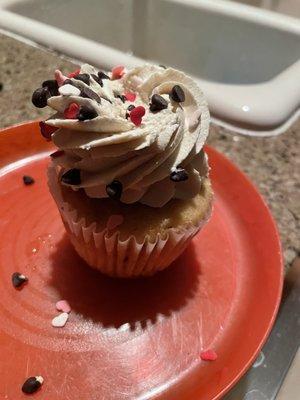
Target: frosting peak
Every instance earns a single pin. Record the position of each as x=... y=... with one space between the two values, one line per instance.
x=144 y=130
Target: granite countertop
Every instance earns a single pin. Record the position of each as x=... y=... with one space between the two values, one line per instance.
x=273 y=164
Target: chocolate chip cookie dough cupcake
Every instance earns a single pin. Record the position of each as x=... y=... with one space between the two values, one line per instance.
x=130 y=177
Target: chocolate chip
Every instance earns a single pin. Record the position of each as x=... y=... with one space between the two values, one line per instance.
x=162 y=66
x=52 y=86
x=90 y=94
x=83 y=77
x=32 y=384
x=18 y=279
x=114 y=190
x=177 y=94
x=28 y=180
x=158 y=103
x=40 y=97
x=97 y=79
x=179 y=175
x=121 y=97
x=71 y=177
x=102 y=75
x=86 y=112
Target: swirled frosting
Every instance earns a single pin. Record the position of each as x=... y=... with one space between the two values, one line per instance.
x=142 y=157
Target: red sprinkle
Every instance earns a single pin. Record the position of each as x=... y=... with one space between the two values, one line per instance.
x=130 y=96
x=47 y=130
x=71 y=112
x=57 y=154
x=137 y=114
x=74 y=73
x=117 y=72
x=208 y=355
x=60 y=78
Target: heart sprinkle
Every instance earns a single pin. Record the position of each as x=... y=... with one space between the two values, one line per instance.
x=130 y=96
x=208 y=355
x=32 y=384
x=71 y=112
x=117 y=72
x=18 y=279
x=64 y=306
x=46 y=130
x=74 y=73
x=60 y=78
x=60 y=320
x=137 y=114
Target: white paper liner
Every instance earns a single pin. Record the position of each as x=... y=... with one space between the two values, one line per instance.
x=113 y=256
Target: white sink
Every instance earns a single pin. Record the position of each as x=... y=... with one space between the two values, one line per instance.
x=246 y=59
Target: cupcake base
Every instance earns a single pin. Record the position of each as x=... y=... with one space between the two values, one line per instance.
x=119 y=239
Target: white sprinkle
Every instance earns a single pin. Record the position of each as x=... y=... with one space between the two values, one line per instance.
x=60 y=320
x=69 y=90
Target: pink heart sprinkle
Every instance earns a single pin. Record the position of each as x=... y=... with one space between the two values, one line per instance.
x=208 y=355
x=60 y=78
x=63 y=305
x=74 y=73
x=117 y=72
x=137 y=114
x=114 y=221
x=71 y=112
x=130 y=96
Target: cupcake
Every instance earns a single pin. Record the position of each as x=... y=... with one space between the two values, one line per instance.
x=130 y=176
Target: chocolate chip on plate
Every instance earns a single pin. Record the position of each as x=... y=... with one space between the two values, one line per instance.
x=40 y=96
x=102 y=75
x=114 y=190
x=83 y=77
x=18 y=279
x=158 y=103
x=177 y=94
x=71 y=177
x=86 y=112
x=52 y=86
x=28 y=180
x=32 y=384
x=179 y=175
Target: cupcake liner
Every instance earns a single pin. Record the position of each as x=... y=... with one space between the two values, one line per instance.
x=113 y=256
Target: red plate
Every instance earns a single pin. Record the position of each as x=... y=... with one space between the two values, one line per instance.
x=138 y=339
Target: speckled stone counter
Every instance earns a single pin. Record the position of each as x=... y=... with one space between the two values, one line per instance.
x=273 y=164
